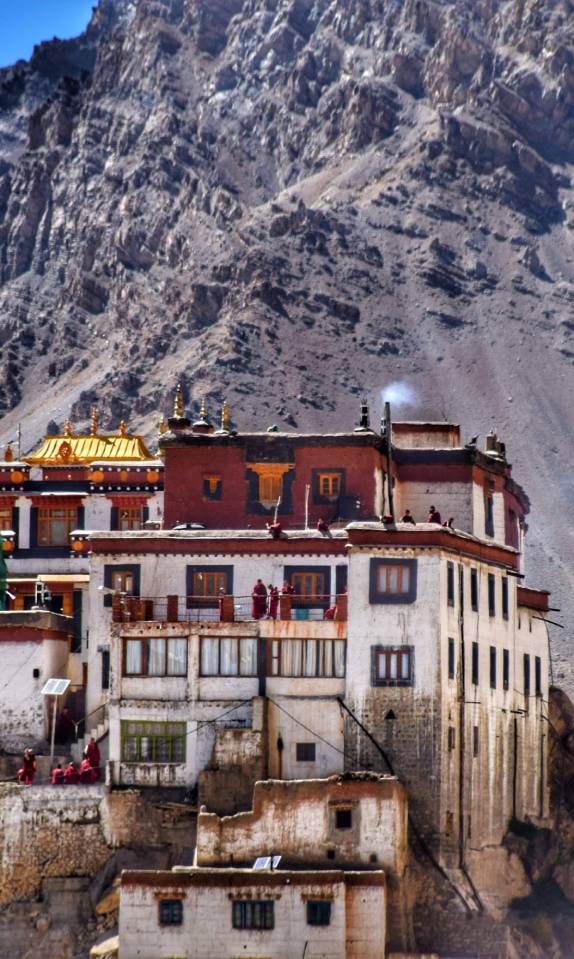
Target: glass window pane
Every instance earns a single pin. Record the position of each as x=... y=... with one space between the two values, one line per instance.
x=229 y=663
x=339 y=658
x=248 y=657
x=156 y=657
x=162 y=749
x=133 y=656
x=405 y=665
x=393 y=666
x=326 y=666
x=145 y=749
x=130 y=750
x=291 y=657
x=177 y=657
x=393 y=579
x=310 y=658
x=406 y=579
x=209 y=656
x=178 y=749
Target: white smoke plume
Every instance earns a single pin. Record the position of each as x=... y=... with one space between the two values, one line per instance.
x=398 y=394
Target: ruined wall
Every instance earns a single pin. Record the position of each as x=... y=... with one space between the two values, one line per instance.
x=24 y=719
x=298 y=819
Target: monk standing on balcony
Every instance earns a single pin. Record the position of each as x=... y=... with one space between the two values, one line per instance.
x=273 y=601
x=259 y=597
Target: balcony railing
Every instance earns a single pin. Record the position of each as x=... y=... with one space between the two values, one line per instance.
x=226 y=609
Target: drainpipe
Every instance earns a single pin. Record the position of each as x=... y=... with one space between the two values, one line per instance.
x=388 y=427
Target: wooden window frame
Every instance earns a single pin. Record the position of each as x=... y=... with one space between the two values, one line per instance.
x=275 y=655
x=135 y=518
x=257 y=915
x=237 y=640
x=170 y=912
x=120 y=582
x=193 y=600
x=212 y=486
x=152 y=734
x=328 y=484
x=377 y=597
x=7 y=511
x=46 y=515
x=145 y=657
x=301 y=751
x=300 y=601
x=401 y=652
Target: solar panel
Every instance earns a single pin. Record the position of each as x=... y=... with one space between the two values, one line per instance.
x=55 y=687
x=267 y=862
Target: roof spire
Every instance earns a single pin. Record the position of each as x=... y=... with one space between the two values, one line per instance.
x=364 y=421
x=224 y=428
x=202 y=424
x=68 y=428
x=94 y=418
x=162 y=426
x=122 y=428
x=178 y=409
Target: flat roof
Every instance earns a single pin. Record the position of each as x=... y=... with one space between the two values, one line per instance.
x=229 y=877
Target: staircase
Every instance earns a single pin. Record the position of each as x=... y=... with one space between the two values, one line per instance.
x=100 y=734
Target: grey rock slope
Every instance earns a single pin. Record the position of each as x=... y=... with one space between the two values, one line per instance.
x=290 y=202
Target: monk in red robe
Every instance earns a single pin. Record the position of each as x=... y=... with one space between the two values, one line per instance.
x=88 y=775
x=92 y=754
x=57 y=776
x=259 y=598
x=71 y=775
x=273 y=601
x=28 y=771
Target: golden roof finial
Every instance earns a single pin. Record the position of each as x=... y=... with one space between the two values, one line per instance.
x=94 y=417
x=203 y=409
x=122 y=428
x=225 y=417
x=68 y=428
x=178 y=409
x=162 y=426
x=8 y=454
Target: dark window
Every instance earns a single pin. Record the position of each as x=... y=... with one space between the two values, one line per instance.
x=328 y=485
x=526 y=674
x=538 y=676
x=312 y=585
x=505 y=669
x=105 y=669
x=475 y=741
x=343 y=818
x=493 y=667
x=212 y=486
x=450 y=583
x=55 y=524
x=393 y=581
x=475 y=664
x=474 y=589
x=170 y=912
x=505 y=597
x=451 y=737
x=451 y=659
x=305 y=752
x=318 y=912
x=253 y=914
x=489 y=508
x=392 y=665
x=122 y=579
x=449 y=824
x=491 y=594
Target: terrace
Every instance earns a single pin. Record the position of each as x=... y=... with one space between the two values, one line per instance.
x=226 y=609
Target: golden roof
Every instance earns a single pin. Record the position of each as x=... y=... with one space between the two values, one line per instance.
x=68 y=449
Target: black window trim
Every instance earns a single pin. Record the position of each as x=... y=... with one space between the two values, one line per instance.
x=375 y=653
x=376 y=598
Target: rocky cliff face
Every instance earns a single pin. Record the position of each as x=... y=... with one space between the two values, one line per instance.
x=291 y=202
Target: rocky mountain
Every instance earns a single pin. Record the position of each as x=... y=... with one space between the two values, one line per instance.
x=289 y=203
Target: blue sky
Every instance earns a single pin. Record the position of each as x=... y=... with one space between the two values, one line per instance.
x=26 y=22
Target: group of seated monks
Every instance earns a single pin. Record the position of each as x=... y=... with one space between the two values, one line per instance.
x=87 y=773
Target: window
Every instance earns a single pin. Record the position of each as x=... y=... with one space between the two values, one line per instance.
x=130 y=517
x=254 y=914
x=6 y=520
x=505 y=597
x=55 y=525
x=526 y=674
x=308 y=584
x=305 y=752
x=475 y=664
x=491 y=594
x=474 y=589
x=392 y=665
x=170 y=912
x=212 y=486
x=449 y=823
x=105 y=669
x=205 y=585
x=392 y=581
x=155 y=657
x=450 y=583
x=451 y=659
x=306 y=657
x=343 y=819
x=328 y=485
x=228 y=656
x=318 y=912
x=493 y=667
x=150 y=742
x=475 y=741
x=122 y=581
x=538 y=676
x=489 y=508
x=451 y=738
x=505 y=669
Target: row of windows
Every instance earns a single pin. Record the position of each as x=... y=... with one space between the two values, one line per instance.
x=493 y=667
x=51 y=525
x=474 y=590
x=326 y=484
x=232 y=656
x=256 y=914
